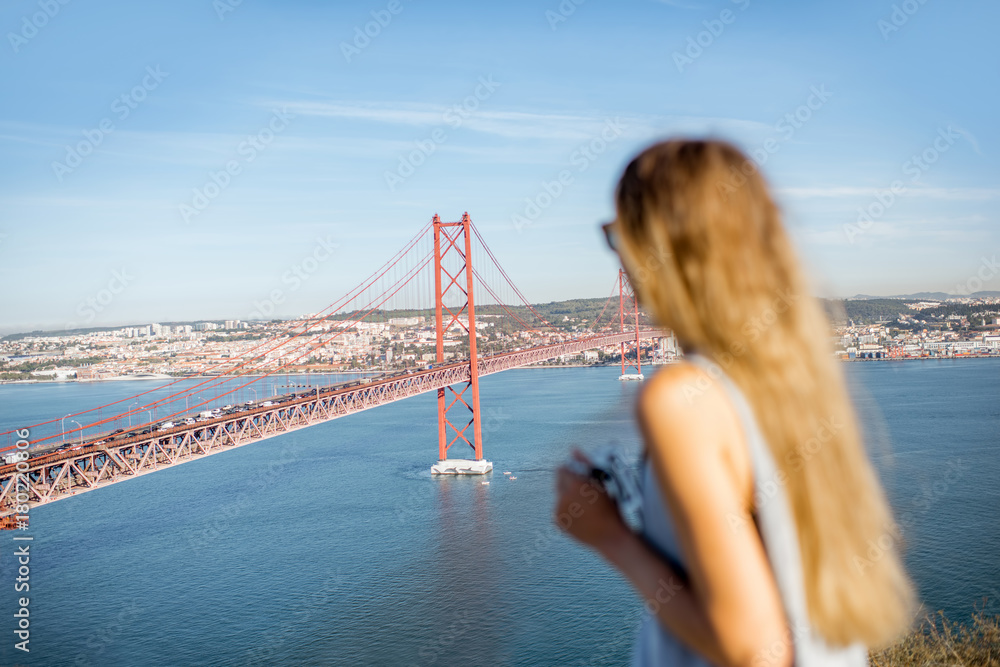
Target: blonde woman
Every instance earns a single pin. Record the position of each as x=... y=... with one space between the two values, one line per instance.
x=767 y=539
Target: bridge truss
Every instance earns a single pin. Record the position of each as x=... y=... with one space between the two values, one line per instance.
x=105 y=459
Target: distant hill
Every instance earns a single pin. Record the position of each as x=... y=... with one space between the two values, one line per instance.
x=869 y=310
x=86 y=330
x=861 y=308
x=934 y=296
x=878 y=309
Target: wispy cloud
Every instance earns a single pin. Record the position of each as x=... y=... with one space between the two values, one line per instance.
x=681 y=5
x=509 y=124
x=967 y=231
x=514 y=124
x=969 y=137
x=956 y=194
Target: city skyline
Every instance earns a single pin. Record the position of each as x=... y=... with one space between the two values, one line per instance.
x=225 y=324
x=188 y=158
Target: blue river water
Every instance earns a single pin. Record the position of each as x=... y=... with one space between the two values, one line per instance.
x=335 y=545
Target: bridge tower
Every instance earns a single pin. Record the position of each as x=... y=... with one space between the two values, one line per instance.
x=627 y=301
x=453 y=242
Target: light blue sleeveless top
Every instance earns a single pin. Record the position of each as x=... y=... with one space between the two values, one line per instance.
x=655 y=645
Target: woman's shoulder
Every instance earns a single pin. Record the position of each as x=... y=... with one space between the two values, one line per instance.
x=690 y=409
x=684 y=389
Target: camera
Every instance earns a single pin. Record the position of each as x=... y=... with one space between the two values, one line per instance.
x=619 y=478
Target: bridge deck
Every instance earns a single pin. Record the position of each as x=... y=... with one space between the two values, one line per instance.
x=61 y=474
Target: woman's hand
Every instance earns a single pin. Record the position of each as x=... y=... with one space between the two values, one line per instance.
x=584 y=510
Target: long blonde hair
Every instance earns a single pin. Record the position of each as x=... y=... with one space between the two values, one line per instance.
x=704 y=245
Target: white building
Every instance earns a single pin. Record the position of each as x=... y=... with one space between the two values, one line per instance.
x=406 y=321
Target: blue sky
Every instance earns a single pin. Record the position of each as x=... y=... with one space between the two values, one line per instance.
x=539 y=81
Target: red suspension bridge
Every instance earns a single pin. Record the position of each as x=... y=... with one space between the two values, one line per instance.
x=482 y=325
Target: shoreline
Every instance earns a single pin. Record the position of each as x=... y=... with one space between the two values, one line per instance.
x=122 y=378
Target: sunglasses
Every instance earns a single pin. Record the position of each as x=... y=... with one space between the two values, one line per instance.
x=611 y=235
